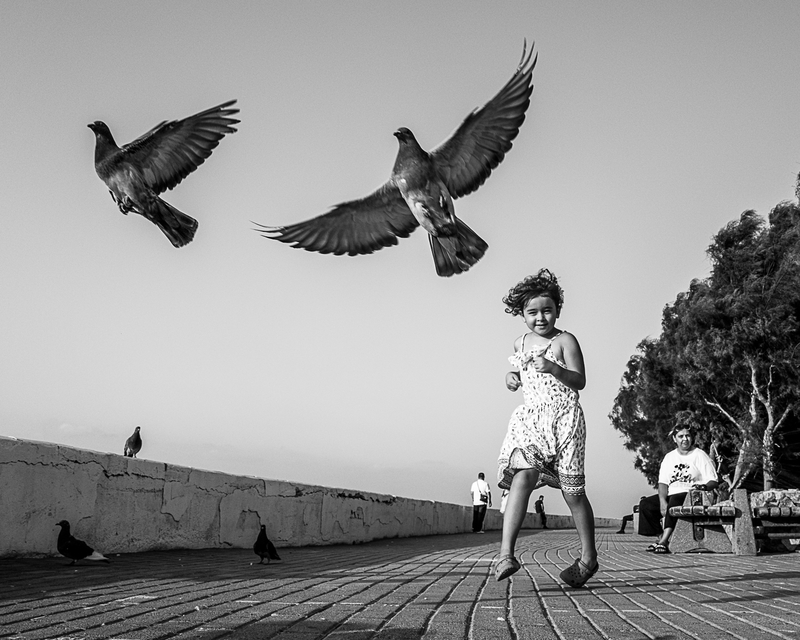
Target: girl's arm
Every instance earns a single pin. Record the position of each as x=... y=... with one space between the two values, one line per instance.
x=574 y=375
x=513 y=380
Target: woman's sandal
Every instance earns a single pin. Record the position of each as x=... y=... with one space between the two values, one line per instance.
x=577 y=574
x=661 y=548
x=506 y=566
x=651 y=547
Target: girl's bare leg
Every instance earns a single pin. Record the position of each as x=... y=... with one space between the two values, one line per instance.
x=522 y=486
x=583 y=516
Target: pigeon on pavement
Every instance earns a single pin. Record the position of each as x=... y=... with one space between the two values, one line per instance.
x=422 y=186
x=75 y=549
x=263 y=548
x=137 y=172
x=133 y=445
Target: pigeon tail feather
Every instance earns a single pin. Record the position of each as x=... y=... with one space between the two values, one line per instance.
x=97 y=556
x=177 y=226
x=457 y=253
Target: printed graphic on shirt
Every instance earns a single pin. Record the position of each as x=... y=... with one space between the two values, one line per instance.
x=681 y=473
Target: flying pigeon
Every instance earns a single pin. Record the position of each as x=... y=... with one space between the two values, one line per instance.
x=73 y=548
x=264 y=548
x=137 y=172
x=133 y=445
x=422 y=187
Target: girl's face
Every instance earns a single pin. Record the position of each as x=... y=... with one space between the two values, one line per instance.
x=540 y=315
x=683 y=439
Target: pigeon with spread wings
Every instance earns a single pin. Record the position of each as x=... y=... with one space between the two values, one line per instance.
x=137 y=172
x=422 y=187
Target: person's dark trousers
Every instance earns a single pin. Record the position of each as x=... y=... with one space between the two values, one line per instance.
x=478 y=514
x=650 y=516
x=675 y=500
x=625 y=521
x=544 y=520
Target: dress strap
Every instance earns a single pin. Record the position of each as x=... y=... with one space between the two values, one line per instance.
x=522 y=343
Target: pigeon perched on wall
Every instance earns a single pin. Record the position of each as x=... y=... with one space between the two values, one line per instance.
x=75 y=549
x=133 y=445
x=422 y=187
x=137 y=172
x=263 y=548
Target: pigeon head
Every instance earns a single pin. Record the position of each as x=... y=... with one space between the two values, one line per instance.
x=101 y=130
x=409 y=153
x=63 y=523
x=404 y=135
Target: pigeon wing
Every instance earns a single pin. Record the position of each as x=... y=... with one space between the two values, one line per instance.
x=76 y=549
x=171 y=150
x=260 y=546
x=467 y=157
x=354 y=228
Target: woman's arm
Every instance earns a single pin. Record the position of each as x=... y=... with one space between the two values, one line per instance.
x=708 y=472
x=707 y=486
x=574 y=375
x=662 y=497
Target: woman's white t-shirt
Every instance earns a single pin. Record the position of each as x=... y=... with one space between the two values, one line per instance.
x=679 y=472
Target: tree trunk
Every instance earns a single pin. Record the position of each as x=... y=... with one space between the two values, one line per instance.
x=745 y=463
x=769 y=460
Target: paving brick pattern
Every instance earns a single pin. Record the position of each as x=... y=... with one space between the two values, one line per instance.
x=438 y=587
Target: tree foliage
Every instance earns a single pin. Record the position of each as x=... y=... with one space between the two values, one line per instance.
x=727 y=357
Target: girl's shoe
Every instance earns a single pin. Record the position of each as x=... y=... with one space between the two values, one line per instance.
x=506 y=566
x=651 y=547
x=661 y=548
x=577 y=574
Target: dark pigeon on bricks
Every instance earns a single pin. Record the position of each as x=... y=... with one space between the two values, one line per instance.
x=263 y=548
x=422 y=187
x=133 y=445
x=70 y=547
x=137 y=172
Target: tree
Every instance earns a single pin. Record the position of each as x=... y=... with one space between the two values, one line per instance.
x=727 y=356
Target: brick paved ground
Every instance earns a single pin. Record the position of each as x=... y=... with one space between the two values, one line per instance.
x=432 y=587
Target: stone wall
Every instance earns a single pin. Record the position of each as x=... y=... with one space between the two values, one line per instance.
x=124 y=505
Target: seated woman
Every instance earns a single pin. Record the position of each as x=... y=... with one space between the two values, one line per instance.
x=685 y=467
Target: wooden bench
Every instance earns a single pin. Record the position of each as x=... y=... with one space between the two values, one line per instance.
x=706 y=527
x=776 y=523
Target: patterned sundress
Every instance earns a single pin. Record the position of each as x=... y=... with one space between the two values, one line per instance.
x=548 y=431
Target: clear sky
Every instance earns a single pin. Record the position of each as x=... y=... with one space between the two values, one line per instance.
x=652 y=125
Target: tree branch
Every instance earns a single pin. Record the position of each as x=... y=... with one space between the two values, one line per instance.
x=719 y=407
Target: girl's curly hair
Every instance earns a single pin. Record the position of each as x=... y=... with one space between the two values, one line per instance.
x=543 y=283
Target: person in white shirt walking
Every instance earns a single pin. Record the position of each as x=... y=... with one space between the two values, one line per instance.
x=481 y=498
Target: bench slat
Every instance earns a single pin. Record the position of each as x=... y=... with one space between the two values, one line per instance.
x=698 y=511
